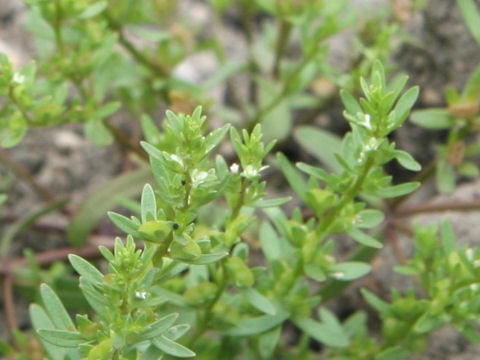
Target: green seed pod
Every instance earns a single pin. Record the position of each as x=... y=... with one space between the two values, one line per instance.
x=187 y=252
x=239 y=272
x=224 y=315
x=156 y=231
x=201 y=294
x=101 y=351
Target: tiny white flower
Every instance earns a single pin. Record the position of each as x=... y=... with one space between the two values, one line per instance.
x=234 y=168
x=338 y=275
x=141 y=295
x=18 y=78
x=198 y=177
x=469 y=253
x=250 y=171
x=176 y=159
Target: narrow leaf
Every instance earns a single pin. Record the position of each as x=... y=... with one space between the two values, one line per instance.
x=148 y=204
x=93 y=10
x=123 y=223
x=40 y=320
x=258 y=325
x=259 y=301
x=365 y=239
x=471 y=16
x=321 y=144
x=349 y=271
x=435 y=119
x=172 y=348
x=267 y=203
x=407 y=161
x=378 y=304
x=159 y=327
x=294 y=178
x=61 y=338
x=85 y=269
x=55 y=309
x=323 y=333
x=397 y=190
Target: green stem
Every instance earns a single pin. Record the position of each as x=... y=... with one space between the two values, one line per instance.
x=283 y=36
x=202 y=328
x=155 y=67
x=283 y=93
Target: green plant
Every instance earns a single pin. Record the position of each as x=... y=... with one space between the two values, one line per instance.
x=210 y=265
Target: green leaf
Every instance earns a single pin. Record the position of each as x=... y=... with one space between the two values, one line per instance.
x=397 y=190
x=108 y=109
x=148 y=204
x=123 y=223
x=172 y=348
x=448 y=237
x=93 y=10
x=351 y=104
x=445 y=177
x=225 y=72
x=177 y=331
x=276 y=120
x=294 y=178
x=257 y=325
x=61 y=338
x=85 y=269
x=314 y=171
x=428 y=323
x=330 y=319
x=365 y=239
x=369 y=218
x=374 y=301
x=404 y=105
x=394 y=353
x=268 y=341
x=93 y=210
x=315 y=272
x=321 y=144
x=267 y=203
x=434 y=118
x=272 y=245
x=349 y=271
x=326 y=334
x=150 y=130
x=40 y=320
x=97 y=133
x=152 y=150
x=207 y=258
x=159 y=327
x=471 y=16
x=407 y=161
x=55 y=309
x=215 y=138
x=258 y=301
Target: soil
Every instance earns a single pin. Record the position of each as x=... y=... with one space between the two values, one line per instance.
x=441 y=54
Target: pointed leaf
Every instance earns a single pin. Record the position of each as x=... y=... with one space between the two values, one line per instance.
x=322 y=332
x=148 y=204
x=172 y=348
x=55 y=309
x=397 y=190
x=321 y=144
x=61 y=338
x=159 y=327
x=259 y=301
x=435 y=119
x=349 y=271
x=85 y=269
x=365 y=239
